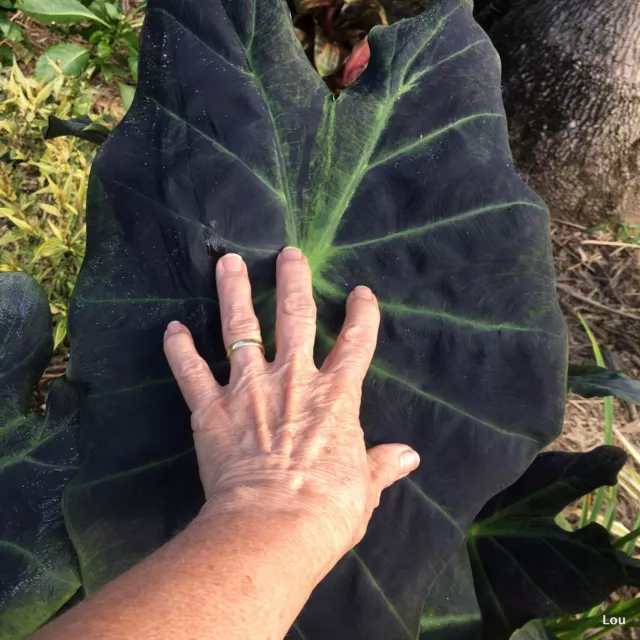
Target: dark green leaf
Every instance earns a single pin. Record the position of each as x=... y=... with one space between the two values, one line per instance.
x=451 y=611
x=37 y=456
x=594 y=382
x=534 y=630
x=82 y=127
x=404 y=183
x=72 y=59
x=6 y=54
x=107 y=72
x=58 y=11
x=96 y=36
x=525 y=566
x=104 y=49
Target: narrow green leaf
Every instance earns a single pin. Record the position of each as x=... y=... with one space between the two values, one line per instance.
x=72 y=59
x=58 y=11
x=598 y=499
x=629 y=547
x=629 y=538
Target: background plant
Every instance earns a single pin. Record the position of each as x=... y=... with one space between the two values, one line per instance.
x=43 y=184
x=100 y=36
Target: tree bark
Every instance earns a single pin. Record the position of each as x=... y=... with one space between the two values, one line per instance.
x=571 y=74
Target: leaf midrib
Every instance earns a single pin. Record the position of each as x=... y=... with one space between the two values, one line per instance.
x=318 y=253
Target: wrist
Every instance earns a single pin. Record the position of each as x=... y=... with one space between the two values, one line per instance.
x=281 y=525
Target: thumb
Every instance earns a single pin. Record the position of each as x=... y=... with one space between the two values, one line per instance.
x=390 y=462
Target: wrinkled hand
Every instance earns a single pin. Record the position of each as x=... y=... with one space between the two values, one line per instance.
x=283 y=435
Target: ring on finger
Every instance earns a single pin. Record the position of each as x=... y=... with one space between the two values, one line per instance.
x=238 y=344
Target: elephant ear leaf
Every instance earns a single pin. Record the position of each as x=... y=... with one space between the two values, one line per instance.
x=451 y=612
x=534 y=630
x=82 y=127
x=39 y=573
x=527 y=567
x=590 y=381
x=405 y=184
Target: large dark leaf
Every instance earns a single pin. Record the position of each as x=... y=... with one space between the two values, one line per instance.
x=533 y=630
x=451 y=611
x=525 y=566
x=405 y=184
x=594 y=382
x=38 y=571
x=83 y=128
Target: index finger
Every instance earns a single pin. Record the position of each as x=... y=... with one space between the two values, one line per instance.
x=356 y=344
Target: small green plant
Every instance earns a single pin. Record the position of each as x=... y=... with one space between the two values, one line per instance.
x=109 y=32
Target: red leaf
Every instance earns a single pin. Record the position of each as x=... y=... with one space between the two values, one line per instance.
x=356 y=63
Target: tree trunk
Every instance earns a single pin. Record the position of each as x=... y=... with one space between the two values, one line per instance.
x=571 y=75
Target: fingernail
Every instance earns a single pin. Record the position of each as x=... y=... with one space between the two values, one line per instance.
x=363 y=292
x=291 y=253
x=172 y=328
x=409 y=461
x=230 y=263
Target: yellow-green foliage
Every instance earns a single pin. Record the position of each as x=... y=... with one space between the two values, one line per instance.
x=42 y=196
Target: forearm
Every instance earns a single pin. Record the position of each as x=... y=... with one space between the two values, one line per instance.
x=237 y=576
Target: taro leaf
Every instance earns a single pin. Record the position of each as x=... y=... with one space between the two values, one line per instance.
x=404 y=183
x=451 y=611
x=594 y=382
x=525 y=566
x=534 y=630
x=38 y=568
x=82 y=127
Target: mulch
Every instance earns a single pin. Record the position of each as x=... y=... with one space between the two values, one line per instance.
x=598 y=278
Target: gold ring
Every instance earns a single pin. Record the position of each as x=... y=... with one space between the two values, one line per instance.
x=244 y=343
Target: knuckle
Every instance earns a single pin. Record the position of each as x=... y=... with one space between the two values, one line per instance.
x=193 y=369
x=241 y=322
x=300 y=305
x=359 y=336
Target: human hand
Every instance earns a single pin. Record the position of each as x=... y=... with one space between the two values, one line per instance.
x=283 y=436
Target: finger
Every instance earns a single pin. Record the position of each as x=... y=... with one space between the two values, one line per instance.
x=390 y=462
x=354 y=348
x=295 y=308
x=239 y=320
x=192 y=373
